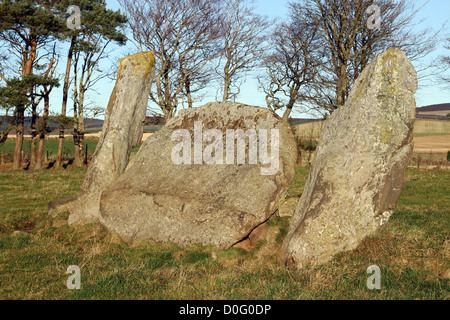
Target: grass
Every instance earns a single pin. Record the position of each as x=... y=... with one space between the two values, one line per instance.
x=428 y=127
x=51 y=146
x=429 y=157
x=422 y=128
x=412 y=252
x=310 y=129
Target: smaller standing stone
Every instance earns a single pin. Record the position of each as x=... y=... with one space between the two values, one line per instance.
x=122 y=131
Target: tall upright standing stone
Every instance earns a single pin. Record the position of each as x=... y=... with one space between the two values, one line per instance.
x=122 y=131
x=357 y=174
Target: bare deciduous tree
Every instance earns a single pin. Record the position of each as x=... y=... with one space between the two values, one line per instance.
x=42 y=127
x=87 y=56
x=445 y=63
x=242 y=48
x=96 y=23
x=182 y=36
x=290 y=67
x=350 y=44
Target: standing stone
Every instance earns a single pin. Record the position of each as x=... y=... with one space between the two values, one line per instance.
x=357 y=174
x=187 y=186
x=122 y=130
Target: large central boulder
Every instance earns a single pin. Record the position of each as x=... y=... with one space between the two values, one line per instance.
x=209 y=177
x=357 y=174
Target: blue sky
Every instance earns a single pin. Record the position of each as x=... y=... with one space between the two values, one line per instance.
x=436 y=13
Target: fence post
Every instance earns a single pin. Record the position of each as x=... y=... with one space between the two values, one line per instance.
x=85 y=155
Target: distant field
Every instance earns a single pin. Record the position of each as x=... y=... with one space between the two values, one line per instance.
x=429 y=135
x=51 y=147
x=422 y=127
x=426 y=127
x=440 y=144
x=310 y=129
x=442 y=113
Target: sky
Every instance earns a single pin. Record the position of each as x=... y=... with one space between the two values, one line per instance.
x=435 y=14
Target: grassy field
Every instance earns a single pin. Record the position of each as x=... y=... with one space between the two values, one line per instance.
x=442 y=113
x=310 y=129
x=422 y=128
x=429 y=159
x=51 y=146
x=426 y=127
x=413 y=252
x=431 y=137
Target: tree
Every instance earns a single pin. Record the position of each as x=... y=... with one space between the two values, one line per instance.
x=72 y=35
x=350 y=40
x=445 y=64
x=48 y=83
x=99 y=27
x=25 y=25
x=41 y=87
x=6 y=105
x=290 y=66
x=86 y=61
x=243 y=36
x=88 y=42
x=11 y=95
x=199 y=49
x=8 y=120
x=182 y=35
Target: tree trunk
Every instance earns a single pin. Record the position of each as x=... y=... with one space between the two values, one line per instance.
x=78 y=146
x=342 y=84
x=42 y=127
x=76 y=136
x=227 y=82
x=33 y=150
x=85 y=154
x=290 y=105
x=79 y=143
x=40 y=152
x=188 y=93
x=80 y=130
x=17 y=162
x=60 y=147
x=76 y=143
x=64 y=104
x=166 y=115
x=287 y=113
x=226 y=88
x=34 y=134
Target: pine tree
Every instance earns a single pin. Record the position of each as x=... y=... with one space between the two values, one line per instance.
x=26 y=26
